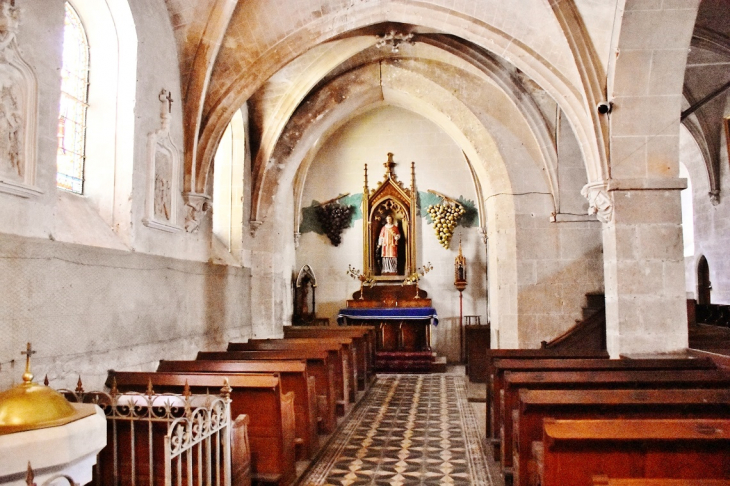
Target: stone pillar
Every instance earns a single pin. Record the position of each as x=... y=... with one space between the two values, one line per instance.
x=640 y=203
x=646 y=310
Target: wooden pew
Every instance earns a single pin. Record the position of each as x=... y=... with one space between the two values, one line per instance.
x=573 y=451
x=362 y=336
x=349 y=356
x=334 y=347
x=318 y=365
x=493 y=354
x=501 y=365
x=536 y=405
x=514 y=381
x=294 y=378
x=271 y=413
x=606 y=481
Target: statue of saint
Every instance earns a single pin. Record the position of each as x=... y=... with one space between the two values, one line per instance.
x=388 y=243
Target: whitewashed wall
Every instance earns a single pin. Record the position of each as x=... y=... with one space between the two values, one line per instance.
x=711 y=223
x=91 y=296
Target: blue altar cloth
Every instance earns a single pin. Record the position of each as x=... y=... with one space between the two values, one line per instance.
x=389 y=313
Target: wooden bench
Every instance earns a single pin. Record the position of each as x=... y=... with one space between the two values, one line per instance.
x=536 y=405
x=493 y=354
x=318 y=366
x=339 y=357
x=574 y=451
x=363 y=338
x=348 y=351
x=294 y=378
x=606 y=481
x=271 y=413
x=501 y=365
x=606 y=379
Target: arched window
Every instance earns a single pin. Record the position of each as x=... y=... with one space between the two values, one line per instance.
x=74 y=102
x=228 y=185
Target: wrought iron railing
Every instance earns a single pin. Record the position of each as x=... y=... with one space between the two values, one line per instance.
x=169 y=439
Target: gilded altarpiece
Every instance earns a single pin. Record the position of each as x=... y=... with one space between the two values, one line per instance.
x=389 y=200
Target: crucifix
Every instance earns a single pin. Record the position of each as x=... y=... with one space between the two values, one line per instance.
x=167 y=98
x=28 y=376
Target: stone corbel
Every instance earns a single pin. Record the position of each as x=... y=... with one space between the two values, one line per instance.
x=483 y=233
x=599 y=202
x=714 y=197
x=254 y=226
x=196 y=205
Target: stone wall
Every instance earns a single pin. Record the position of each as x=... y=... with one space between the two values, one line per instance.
x=85 y=280
x=87 y=310
x=711 y=222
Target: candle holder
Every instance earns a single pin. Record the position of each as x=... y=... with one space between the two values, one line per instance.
x=417 y=275
x=460 y=284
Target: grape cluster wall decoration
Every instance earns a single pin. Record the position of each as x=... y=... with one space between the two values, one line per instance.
x=333 y=218
x=445 y=217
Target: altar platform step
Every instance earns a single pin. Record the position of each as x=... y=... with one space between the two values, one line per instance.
x=409 y=362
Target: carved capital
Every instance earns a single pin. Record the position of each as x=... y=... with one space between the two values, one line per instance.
x=297 y=237
x=196 y=205
x=599 y=202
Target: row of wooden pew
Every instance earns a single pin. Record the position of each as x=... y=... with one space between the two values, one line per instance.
x=292 y=389
x=566 y=418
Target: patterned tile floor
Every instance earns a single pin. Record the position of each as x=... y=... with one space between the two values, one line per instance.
x=408 y=430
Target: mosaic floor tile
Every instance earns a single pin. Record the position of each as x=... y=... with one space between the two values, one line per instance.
x=409 y=430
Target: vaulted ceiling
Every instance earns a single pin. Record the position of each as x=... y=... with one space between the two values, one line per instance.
x=279 y=56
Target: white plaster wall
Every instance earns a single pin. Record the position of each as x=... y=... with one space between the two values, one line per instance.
x=711 y=223
x=86 y=310
x=86 y=298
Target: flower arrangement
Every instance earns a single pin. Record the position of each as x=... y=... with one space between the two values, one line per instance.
x=364 y=279
x=418 y=275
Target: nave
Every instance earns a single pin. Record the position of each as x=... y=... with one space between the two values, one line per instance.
x=410 y=429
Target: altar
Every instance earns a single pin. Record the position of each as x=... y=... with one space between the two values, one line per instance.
x=403 y=324
x=389 y=297
x=398 y=328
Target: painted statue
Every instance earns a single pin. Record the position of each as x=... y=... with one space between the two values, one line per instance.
x=388 y=244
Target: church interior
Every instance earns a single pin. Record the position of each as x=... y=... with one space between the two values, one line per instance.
x=360 y=204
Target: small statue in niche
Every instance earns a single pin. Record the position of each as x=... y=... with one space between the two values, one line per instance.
x=388 y=247
x=10 y=126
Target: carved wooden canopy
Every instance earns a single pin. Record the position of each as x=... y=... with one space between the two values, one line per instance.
x=390 y=198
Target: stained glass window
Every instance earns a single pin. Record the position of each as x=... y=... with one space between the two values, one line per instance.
x=74 y=97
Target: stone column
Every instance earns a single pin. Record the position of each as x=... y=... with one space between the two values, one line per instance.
x=646 y=310
x=639 y=203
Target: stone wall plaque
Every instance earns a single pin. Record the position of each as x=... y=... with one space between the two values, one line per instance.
x=18 y=111
x=163 y=186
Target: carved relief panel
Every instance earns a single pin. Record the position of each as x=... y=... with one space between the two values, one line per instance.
x=163 y=191
x=18 y=111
